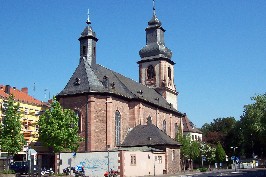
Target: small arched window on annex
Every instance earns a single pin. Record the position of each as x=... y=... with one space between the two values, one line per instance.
x=150 y=72
x=169 y=73
x=117 y=127
x=164 y=126
x=78 y=114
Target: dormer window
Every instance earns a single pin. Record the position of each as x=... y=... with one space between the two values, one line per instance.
x=77 y=81
x=105 y=81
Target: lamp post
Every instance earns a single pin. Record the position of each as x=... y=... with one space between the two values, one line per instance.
x=234 y=147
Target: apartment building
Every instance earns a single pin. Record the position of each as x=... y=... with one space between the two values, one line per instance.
x=29 y=107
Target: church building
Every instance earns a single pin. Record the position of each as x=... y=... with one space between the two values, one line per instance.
x=110 y=105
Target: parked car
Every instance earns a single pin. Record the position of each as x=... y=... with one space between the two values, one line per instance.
x=21 y=167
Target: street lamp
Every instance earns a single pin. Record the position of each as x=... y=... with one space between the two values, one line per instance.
x=234 y=147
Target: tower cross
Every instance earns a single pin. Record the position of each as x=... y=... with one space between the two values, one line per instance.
x=153 y=1
x=88 y=19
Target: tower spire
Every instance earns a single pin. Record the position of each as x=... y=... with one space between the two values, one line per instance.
x=88 y=19
x=153 y=8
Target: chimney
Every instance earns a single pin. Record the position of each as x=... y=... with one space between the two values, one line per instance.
x=7 y=89
x=25 y=90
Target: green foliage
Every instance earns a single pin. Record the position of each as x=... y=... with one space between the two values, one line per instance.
x=59 y=128
x=203 y=169
x=194 y=150
x=179 y=134
x=218 y=130
x=189 y=149
x=223 y=130
x=220 y=154
x=253 y=123
x=11 y=138
x=248 y=134
x=208 y=151
x=7 y=172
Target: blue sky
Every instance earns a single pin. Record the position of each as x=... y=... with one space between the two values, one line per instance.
x=219 y=47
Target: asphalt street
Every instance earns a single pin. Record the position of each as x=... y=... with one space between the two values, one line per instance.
x=258 y=172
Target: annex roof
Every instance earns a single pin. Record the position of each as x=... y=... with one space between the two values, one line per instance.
x=148 y=135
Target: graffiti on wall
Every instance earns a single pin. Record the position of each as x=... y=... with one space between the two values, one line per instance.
x=95 y=163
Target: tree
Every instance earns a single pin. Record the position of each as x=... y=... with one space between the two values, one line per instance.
x=253 y=123
x=190 y=150
x=58 y=129
x=194 y=152
x=208 y=152
x=221 y=130
x=11 y=138
x=220 y=154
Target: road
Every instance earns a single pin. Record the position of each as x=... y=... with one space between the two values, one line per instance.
x=229 y=173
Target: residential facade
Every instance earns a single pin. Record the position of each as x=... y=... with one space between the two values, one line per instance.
x=190 y=130
x=30 y=109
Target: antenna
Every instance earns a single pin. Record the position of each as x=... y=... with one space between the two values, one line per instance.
x=34 y=88
x=45 y=93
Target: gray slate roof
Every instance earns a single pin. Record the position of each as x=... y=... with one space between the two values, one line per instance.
x=148 y=135
x=88 y=79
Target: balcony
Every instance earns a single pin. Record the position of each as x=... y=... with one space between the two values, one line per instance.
x=26 y=134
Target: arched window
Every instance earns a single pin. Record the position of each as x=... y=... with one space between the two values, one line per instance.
x=117 y=127
x=150 y=72
x=149 y=120
x=84 y=50
x=176 y=129
x=78 y=114
x=164 y=126
x=169 y=73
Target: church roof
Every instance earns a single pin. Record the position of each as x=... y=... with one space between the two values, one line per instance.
x=98 y=79
x=148 y=135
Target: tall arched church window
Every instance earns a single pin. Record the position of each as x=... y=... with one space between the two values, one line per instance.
x=169 y=73
x=150 y=72
x=78 y=114
x=164 y=126
x=117 y=127
x=176 y=129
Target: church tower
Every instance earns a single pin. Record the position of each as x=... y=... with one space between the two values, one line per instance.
x=156 y=69
x=88 y=42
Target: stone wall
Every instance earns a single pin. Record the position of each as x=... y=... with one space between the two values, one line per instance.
x=99 y=111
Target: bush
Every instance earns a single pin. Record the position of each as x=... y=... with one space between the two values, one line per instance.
x=60 y=174
x=203 y=169
x=8 y=172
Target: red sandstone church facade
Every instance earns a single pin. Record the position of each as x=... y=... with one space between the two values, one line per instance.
x=110 y=105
